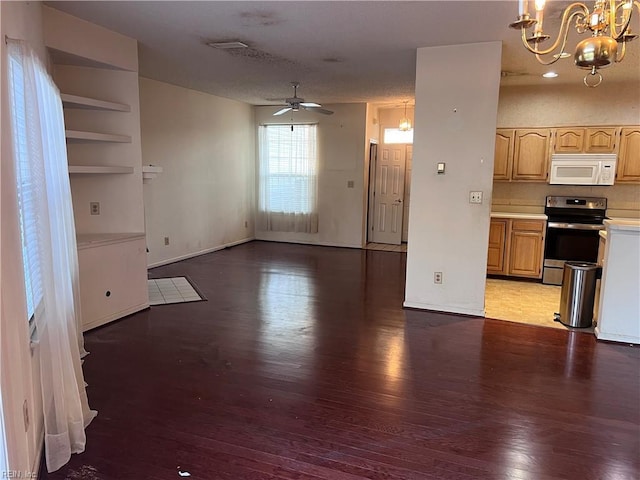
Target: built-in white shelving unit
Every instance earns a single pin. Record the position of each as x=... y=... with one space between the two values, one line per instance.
x=80 y=136
x=98 y=169
x=76 y=101
x=94 y=66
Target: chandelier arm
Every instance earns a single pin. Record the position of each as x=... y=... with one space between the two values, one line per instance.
x=612 y=20
x=567 y=17
x=621 y=51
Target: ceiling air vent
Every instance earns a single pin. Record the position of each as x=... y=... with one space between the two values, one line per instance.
x=227 y=45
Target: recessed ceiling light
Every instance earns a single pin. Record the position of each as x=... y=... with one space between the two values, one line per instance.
x=227 y=45
x=550 y=75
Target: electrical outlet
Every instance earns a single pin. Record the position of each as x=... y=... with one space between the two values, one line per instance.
x=437 y=277
x=94 y=207
x=475 y=197
x=350 y=184
x=166 y=240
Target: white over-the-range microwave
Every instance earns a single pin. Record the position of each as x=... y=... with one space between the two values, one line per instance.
x=583 y=169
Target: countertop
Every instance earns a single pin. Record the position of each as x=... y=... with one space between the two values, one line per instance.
x=521 y=216
x=628 y=224
x=86 y=240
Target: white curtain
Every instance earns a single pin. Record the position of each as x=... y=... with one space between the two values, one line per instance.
x=288 y=189
x=41 y=163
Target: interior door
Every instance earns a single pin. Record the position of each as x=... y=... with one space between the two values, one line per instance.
x=389 y=194
x=407 y=193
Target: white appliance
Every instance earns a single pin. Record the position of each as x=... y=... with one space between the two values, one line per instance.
x=583 y=169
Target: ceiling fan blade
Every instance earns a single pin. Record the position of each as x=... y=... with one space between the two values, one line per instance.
x=323 y=111
x=281 y=111
x=310 y=104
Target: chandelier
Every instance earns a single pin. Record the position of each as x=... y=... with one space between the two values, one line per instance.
x=608 y=21
x=405 y=123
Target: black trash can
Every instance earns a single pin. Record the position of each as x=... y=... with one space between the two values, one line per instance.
x=578 y=293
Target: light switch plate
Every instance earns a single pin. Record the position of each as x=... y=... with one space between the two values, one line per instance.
x=441 y=167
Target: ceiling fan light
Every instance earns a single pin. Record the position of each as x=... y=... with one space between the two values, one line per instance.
x=550 y=75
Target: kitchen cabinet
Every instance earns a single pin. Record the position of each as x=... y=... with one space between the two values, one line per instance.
x=585 y=140
x=522 y=155
x=600 y=140
x=503 y=160
x=516 y=247
x=531 y=155
x=525 y=248
x=111 y=283
x=628 y=165
x=497 y=246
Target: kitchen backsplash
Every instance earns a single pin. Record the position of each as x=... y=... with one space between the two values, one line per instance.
x=622 y=200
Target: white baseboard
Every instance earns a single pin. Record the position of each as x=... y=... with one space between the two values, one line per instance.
x=201 y=252
x=615 y=337
x=310 y=242
x=445 y=308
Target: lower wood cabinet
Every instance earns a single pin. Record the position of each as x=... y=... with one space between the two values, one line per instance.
x=113 y=277
x=516 y=247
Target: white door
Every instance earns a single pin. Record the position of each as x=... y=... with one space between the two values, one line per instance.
x=407 y=193
x=389 y=194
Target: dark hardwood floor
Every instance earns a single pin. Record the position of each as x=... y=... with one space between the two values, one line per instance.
x=302 y=364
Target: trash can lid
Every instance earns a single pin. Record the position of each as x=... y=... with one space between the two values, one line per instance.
x=582 y=265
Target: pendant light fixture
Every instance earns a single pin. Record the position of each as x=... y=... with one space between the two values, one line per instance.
x=405 y=123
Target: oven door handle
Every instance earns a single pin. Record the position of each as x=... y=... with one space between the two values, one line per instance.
x=576 y=226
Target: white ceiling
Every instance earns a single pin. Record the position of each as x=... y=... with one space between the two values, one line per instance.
x=339 y=51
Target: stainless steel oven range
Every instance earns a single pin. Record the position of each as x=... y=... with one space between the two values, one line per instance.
x=573 y=227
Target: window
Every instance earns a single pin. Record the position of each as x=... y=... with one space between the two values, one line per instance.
x=27 y=191
x=395 y=135
x=288 y=178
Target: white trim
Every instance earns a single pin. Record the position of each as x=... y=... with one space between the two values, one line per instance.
x=311 y=242
x=4 y=456
x=201 y=252
x=614 y=337
x=444 y=309
x=114 y=316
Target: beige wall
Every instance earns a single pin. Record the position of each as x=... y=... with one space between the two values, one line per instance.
x=341 y=138
x=568 y=105
x=206 y=147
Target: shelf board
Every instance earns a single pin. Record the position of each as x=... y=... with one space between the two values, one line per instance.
x=80 y=136
x=98 y=169
x=76 y=101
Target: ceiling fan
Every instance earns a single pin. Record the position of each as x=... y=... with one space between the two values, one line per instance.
x=295 y=103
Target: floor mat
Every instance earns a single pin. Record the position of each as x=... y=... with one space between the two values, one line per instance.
x=172 y=290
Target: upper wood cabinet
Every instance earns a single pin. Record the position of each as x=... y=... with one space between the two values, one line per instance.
x=569 y=140
x=585 y=140
x=504 y=154
x=600 y=140
x=522 y=155
x=531 y=154
x=628 y=169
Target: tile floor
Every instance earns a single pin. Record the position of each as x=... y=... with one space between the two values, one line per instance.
x=171 y=290
x=523 y=302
